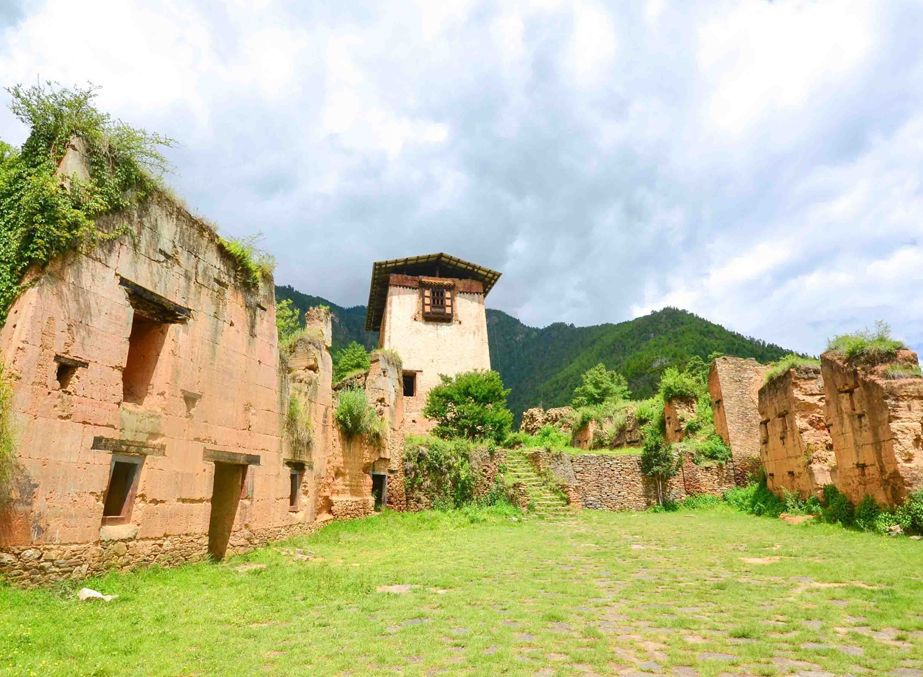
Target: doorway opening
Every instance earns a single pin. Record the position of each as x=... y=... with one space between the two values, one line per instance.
x=380 y=490
x=226 y=493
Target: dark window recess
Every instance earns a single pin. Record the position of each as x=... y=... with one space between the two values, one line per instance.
x=120 y=494
x=410 y=385
x=144 y=346
x=65 y=374
x=380 y=490
x=438 y=300
x=296 y=472
x=437 y=303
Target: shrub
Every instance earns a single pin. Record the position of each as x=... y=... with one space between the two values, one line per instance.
x=470 y=405
x=287 y=320
x=755 y=499
x=600 y=385
x=657 y=458
x=298 y=426
x=871 y=346
x=711 y=448
x=253 y=263
x=355 y=417
x=837 y=509
x=548 y=438
x=440 y=468
x=790 y=361
x=675 y=384
x=866 y=514
x=352 y=359
x=910 y=514
x=650 y=411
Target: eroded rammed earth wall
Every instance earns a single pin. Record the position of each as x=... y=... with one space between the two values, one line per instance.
x=213 y=392
x=877 y=428
x=795 y=446
x=734 y=383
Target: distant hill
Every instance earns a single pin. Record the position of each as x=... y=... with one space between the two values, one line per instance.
x=543 y=366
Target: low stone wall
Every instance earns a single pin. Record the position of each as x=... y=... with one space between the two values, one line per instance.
x=708 y=477
x=609 y=482
x=29 y=566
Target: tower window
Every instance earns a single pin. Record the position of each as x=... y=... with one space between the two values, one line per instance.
x=410 y=384
x=437 y=303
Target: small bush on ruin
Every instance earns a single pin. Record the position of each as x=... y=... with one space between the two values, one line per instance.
x=392 y=354
x=440 y=468
x=352 y=359
x=356 y=417
x=869 y=346
x=910 y=514
x=599 y=385
x=711 y=448
x=298 y=427
x=901 y=371
x=287 y=320
x=471 y=405
x=790 y=361
x=837 y=508
x=548 y=438
x=675 y=384
x=650 y=411
x=253 y=263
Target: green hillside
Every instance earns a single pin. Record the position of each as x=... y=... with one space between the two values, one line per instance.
x=543 y=366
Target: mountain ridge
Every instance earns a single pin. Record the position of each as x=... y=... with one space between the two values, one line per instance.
x=542 y=366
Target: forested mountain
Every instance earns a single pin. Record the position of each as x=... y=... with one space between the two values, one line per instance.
x=543 y=366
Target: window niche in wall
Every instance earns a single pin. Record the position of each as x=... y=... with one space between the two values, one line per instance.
x=124 y=474
x=296 y=474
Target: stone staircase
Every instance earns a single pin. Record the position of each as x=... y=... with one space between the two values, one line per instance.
x=546 y=503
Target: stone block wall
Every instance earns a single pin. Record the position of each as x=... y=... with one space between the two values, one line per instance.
x=876 y=424
x=734 y=384
x=534 y=419
x=708 y=477
x=795 y=445
x=610 y=482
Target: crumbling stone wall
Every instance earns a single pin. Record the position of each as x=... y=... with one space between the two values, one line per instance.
x=204 y=386
x=795 y=445
x=609 y=433
x=877 y=428
x=708 y=477
x=734 y=385
x=677 y=413
x=345 y=489
x=561 y=418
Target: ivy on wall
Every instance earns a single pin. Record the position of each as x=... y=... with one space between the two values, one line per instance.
x=40 y=216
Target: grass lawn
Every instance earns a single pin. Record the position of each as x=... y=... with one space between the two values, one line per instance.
x=710 y=592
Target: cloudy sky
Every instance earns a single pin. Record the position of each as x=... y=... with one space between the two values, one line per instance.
x=758 y=163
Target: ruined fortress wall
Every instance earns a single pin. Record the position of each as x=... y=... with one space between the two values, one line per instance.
x=708 y=477
x=734 y=383
x=213 y=389
x=795 y=446
x=345 y=487
x=877 y=428
x=431 y=348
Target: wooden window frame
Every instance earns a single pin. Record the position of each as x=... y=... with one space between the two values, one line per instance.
x=438 y=302
x=125 y=516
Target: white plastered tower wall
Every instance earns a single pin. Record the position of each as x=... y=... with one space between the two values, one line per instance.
x=432 y=347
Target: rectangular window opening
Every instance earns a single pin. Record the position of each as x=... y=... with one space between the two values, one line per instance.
x=65 y=375
x=144 y=347
x=410 y=384
x=120 y=494
x=295 y=475
x=380 y=490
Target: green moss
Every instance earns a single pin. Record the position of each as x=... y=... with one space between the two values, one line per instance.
x=298 y=427
x=901 y=371
x=7 y=437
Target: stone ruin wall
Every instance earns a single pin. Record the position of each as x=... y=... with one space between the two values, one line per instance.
x=345 y=483
x=212 y=393
x=615 y=482
x=556 y=467
x=876 y=425
x=535 y=418
x=795 y=447
x=734 y=384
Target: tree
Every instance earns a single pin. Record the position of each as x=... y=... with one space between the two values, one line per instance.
x=657 y=458
x=471 y=405
x=600 y=385
x=287 y=323
x=352 y=358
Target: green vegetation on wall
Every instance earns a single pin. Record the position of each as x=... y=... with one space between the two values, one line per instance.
x=7 y=436
x=439 y=468
x=356 y=417
x=869 y=346
x=253 y=264
x=40 y=218
x=471 y=405
x=790 y=361
x=298 y=427
x=350 y=361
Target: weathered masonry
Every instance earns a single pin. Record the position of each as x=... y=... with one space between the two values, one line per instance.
x=734 y=383
x=147 y=406
x=876 y=423
x=795 y=446
x=430 y=310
